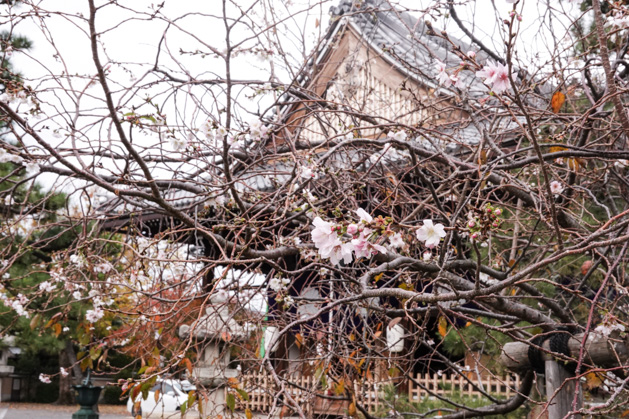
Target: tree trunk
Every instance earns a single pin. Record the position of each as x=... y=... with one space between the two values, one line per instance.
x=67 y=361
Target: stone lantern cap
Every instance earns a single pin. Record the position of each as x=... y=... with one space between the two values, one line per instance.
x=217 y=324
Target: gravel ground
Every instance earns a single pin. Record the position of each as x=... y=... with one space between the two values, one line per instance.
x=49 y=411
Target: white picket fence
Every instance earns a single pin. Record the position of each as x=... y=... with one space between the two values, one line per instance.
x=263 y=393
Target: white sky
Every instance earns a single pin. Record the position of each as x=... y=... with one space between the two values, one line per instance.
x=130 y=39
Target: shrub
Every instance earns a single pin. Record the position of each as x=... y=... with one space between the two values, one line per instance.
x=112 y=394
x=46 y=393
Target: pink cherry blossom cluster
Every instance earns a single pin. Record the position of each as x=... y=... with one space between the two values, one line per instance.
x=332 y=242
x=496 y=76
x=446 y=79
x=327 y=238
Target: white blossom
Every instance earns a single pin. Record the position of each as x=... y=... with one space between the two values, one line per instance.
x=178 y=144
x=322 y=235
x=309 y=172
x=288 y=300
x=430 y=233
x=103 y=268
x=364 y=216
x=44 y=378
x=337 y=251
x=257 y=130
x=77 y=260
x=94 y=315
x=396 y=241
x=363 y=248
x=398 y=135
x=555 y=187
x=32 y=168
x=46 y=286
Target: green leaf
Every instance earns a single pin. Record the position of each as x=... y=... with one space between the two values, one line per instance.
x=150 y=118
x=145 y=389
x=231 y=402
x=243 y=394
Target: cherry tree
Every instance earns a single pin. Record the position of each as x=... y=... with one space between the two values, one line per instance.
x=381 y=186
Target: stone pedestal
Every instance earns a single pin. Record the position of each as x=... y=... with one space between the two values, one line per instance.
x=214 y=332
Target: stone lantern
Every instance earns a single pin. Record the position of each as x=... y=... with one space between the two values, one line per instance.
x=8 y=350
x=214 y=332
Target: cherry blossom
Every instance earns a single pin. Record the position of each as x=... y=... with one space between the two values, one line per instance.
x=501 y=80
x=555 y=187
x=308 y=172
x=47 y=286
x=8 y=157
x=32 y=168
x=95 y=315
x=322 y=235
x=430 y=233
x=443 y=77
x=220 y=133
x=178 y=144
x=458 y=82
x=257 y=130
x=352 y=229
x=337 y=251
x=64 y=372
x=488 y=72
x=396 y=241
x=77 y=260
x=622 y=163
x=288 y=301
x=364 y=216
x=398 y=135
x=44 y=378
x=103 y=268
x=363 y=248
x=278 y=285
x=496 y=75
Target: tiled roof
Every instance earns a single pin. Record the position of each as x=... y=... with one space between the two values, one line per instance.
x=402 y=39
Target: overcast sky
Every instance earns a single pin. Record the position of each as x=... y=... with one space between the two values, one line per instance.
x=130 y=39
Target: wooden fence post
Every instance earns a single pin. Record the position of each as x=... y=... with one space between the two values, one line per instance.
x=558 y=381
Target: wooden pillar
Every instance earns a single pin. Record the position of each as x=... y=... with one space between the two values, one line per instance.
x=560 y=391
x=598 y=350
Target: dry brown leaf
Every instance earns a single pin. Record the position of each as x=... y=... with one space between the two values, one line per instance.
x=586 y=267
x=443 y=326
x=593 y=380
x=557 y=101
